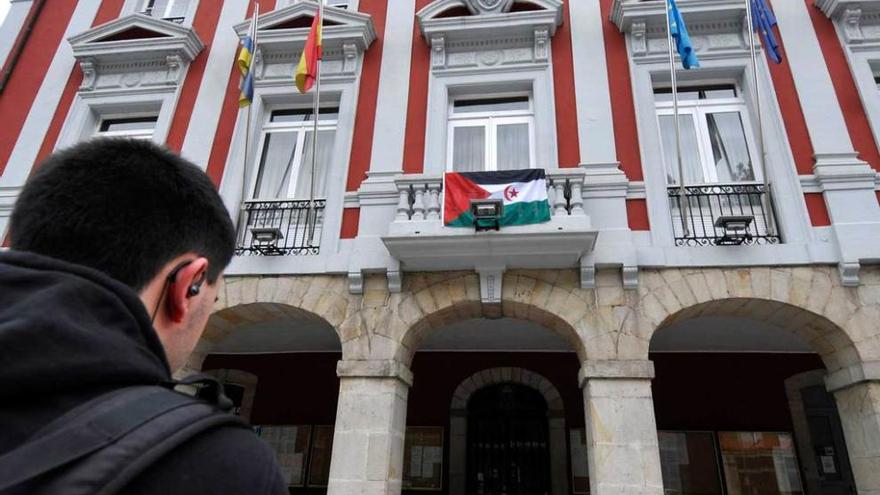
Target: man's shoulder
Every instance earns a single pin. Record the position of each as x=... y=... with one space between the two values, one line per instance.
x=225 y=459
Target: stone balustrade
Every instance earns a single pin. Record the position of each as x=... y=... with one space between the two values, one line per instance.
x=421 y=195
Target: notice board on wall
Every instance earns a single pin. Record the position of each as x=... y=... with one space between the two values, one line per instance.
x=423 y=458
x=291 y=444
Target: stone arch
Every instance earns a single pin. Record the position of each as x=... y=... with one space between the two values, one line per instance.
x=226 y=321
x=554 y=302
x=315 y=298
x=835 y=321
x=458 y=423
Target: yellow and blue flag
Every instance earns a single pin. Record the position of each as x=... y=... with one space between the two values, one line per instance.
x=245 y=64
x=764 y=20
x=679 y=33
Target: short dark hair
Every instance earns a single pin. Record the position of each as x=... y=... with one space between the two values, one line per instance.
x=125 y=207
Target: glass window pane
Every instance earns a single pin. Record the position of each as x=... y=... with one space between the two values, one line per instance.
x=720 y=92
x=729 y=147
x=665 y=94
x=303 y=115
x=128 y=124
x=690 y=151
x=688 y=463
x=178 y=9
x=759 y=462
x=276 y=166
x=469 y=149
x=696 y=93
x=491 y=104
x=322 y=164
x=513 y=147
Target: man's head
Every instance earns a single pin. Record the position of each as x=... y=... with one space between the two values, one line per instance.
x=143 y=216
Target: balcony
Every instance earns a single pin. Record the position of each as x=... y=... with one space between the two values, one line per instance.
x=420 y=241
x=704 y=205
x=280 y=228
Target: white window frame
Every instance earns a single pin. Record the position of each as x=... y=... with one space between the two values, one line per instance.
x=490 y=121
x=135 y=134
x=351 y=5
x=699 y=110
x=145 y=4
x=299 y=128
x=139 y=6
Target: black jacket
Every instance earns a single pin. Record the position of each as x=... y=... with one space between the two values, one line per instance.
x=68 y=334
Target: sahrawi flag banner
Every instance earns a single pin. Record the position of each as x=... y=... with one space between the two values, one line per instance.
x=524 y=193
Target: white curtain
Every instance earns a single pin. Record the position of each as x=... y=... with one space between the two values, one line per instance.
x=690 y=150
x=513 y=146
x=325 y=151
x=729 y=147
x=469 y=149
x=276 y=166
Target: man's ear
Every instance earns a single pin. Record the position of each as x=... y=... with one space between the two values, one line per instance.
x=185 y=285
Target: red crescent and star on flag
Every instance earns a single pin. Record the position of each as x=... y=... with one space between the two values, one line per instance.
x=510 y=193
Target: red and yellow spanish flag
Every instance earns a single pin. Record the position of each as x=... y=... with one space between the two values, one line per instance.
x=307 y=70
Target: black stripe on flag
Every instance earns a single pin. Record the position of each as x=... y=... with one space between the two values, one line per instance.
x=504 y=176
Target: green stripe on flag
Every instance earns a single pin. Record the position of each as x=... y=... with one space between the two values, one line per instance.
x=523 y=213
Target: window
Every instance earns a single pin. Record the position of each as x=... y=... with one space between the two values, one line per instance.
x=716 y=144
x=760 y=462
x=688 y=463
x=341 y=4
x=132 y=127
x=170 y=10
x=491 y=134
x=286 y=154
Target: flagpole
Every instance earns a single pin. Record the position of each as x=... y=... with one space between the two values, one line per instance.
x=768 y=200
x=247 y=128
x=311 y=214
x=682 y=200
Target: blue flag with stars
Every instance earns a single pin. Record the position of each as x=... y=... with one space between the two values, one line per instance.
x=764 y=20
x=679 y=33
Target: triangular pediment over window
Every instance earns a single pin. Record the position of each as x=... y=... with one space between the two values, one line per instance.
x=134 y=53
x=136 y=37
x=463 y=20
x=286 y=30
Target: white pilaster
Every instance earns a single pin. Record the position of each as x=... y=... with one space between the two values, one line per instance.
x=591 y=90
x=392 y=97
x=848 y=182
x=22 y=158
x=15 y=17
x=212 y=89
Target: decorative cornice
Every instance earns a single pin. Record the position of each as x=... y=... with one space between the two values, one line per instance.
x=166 y=39
x=721 y=13
x=347 y=31
x=836 y=9
x=488 y=25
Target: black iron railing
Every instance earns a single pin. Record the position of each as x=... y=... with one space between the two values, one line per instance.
x=708 y=207
x=280 y=228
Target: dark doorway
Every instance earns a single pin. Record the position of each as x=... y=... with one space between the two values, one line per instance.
x=826 y=437
x=507 y=442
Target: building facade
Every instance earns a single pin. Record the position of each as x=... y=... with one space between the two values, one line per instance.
x=636 y=343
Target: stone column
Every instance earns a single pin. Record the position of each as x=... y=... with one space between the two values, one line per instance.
x=624 y=455
x=370 y=426
x=859 y=409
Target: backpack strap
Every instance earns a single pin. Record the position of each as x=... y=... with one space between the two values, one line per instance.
x=102 y=445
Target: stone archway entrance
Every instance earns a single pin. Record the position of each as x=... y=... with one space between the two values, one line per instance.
x=507 y=443
x=732 y=428
x=507 y=424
